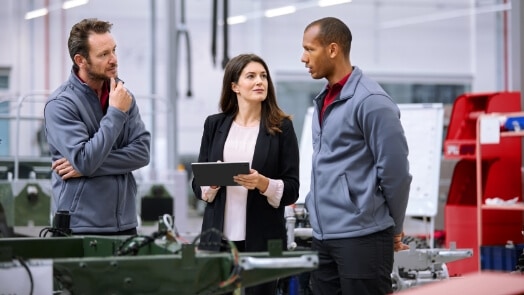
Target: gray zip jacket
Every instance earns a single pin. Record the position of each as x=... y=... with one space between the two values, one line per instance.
x=104 y=148
x=360 y=176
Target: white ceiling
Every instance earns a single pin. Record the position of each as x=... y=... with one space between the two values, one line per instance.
x=201 y=9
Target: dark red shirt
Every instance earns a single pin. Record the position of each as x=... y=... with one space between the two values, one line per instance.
x=333 y=92
x=103 y=97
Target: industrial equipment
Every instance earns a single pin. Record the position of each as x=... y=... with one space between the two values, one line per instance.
x=160 y=263
x=411 y=267
x=416 y=267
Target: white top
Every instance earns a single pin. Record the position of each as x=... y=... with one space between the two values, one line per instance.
x=240 y=147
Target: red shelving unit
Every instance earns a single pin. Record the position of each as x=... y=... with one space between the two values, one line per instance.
x=483 y=171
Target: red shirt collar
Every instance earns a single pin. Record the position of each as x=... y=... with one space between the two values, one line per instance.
x=338 y=86
x=332 y=93
x=104 y=96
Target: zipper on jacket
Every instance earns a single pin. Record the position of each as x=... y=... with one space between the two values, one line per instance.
x=118 y=206
x=314 y=177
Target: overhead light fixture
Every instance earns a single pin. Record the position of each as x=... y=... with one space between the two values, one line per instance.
x=234 y=20
x=280 y=11
x=324 y=3
x=36 y=13
x=44 y=11
x=73 y=3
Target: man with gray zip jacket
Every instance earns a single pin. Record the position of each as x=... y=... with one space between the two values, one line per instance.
x=96 y=137
x=360 y=176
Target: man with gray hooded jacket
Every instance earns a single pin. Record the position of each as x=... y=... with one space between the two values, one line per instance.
x=360 y=176
x=96 y=137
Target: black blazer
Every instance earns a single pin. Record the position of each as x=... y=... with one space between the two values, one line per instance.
x=277 y=157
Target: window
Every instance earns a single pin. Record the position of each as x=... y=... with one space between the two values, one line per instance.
x=425 y=93
x=4 y=78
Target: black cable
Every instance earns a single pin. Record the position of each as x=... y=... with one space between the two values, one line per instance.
x=234 y=275
x=130 y=246
x=214 y=31
x=188 y=55
x=183 y=9
x=225 y=12
x=55 y=231
x=46 y=230
x=185 y=32
x=24 y=264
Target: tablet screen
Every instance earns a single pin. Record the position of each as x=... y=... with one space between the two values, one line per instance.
x=218 y=173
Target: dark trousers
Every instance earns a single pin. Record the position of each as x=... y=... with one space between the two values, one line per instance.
x=354 y=266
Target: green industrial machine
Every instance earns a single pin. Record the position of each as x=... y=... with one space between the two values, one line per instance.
x=32 y=206
x=156 y=264
x=25 y=201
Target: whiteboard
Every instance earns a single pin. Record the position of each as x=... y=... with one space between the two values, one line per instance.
x=423 y=126
x=306 y=153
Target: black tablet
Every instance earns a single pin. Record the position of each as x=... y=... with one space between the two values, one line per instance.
x=218 y=173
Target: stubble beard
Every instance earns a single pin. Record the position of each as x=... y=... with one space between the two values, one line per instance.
x=94 y=76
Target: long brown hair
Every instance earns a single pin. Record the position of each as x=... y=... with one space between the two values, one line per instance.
x=272 y=115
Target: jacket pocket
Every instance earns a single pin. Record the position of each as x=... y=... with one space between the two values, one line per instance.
x=344 y=184
x=76 y=193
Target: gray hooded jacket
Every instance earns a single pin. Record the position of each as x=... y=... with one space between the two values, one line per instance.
x=360 y=176
x=104 y=148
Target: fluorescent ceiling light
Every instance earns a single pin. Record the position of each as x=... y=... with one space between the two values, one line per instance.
x=233 y=20
x=236 y=19
x=73 y=3
x=44 y=11
x=280 y=11
x=36 y=13
x=324 y=3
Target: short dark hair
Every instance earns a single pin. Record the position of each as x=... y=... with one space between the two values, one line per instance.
x=333 y=30
x=79 y=34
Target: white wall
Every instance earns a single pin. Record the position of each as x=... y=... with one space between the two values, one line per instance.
x=441 y=47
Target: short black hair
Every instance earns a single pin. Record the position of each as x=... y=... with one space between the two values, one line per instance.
x=333 y=30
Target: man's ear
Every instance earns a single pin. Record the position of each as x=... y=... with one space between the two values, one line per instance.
x=79 y=60
x=334 y=49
